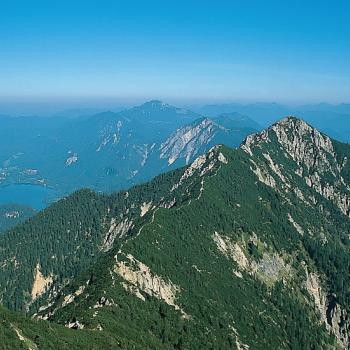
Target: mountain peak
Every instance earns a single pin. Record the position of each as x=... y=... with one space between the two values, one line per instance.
x=289 y=128
x=264 y=229
x=293 y=142
x=155 y=104
x=289 y=121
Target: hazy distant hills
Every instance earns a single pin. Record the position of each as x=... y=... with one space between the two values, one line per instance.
x=114 y=150
x=109 y=151
x=333 y=119
x=263 y=113
x=244 y=248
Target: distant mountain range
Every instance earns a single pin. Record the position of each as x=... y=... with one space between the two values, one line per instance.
x=244 y=248
x=115 y=150
x=110 y=151
x=329 y=118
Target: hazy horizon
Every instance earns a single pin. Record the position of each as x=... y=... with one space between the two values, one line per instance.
x=49 y=107
x=183 y=53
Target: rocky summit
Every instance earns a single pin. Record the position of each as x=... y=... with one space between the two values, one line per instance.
x=244 y=248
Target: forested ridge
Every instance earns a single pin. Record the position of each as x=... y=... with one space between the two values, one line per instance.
x=245 y=248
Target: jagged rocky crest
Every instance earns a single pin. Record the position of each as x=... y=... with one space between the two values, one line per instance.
x=317 y=164
x=312 y=152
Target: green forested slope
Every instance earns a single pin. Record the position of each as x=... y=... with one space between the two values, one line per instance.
x=64 y=239
x=18 y=332
x=245 y=248
x=224 y=304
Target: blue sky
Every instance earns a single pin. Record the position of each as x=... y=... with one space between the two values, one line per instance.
x=284 y=51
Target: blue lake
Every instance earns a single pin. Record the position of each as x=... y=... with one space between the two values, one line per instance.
x=35 y=196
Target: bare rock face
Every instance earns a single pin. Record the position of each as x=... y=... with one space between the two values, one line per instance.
x=203 y=166
x=338 y=319
x=331 y=313
x=312 y=154
x=145 y=207
x=74 y=324
x=139 y=278
x=110 y=135
x=186 y=141
x=306 y=145
x=41 y=283
x=117 y=228
x=72 y=158
x=231 y=250
x=269 y=269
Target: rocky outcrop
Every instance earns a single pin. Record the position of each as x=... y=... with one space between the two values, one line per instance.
x=74 y=324
x=73 y=158
x=306 y=145
x=263 y=175
x=203 y=165
x=269 y=269
x=40 y=283
x=231 y=250
x=110 y=135
x=222 y=158
x=238 y=342
x=312 y=153
x=332 y=315
x=140 y=279
x=27 y=343
x=196 y=165
x=295 y=224
x=116 y=229
x=145 y=207
x=186 y=141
